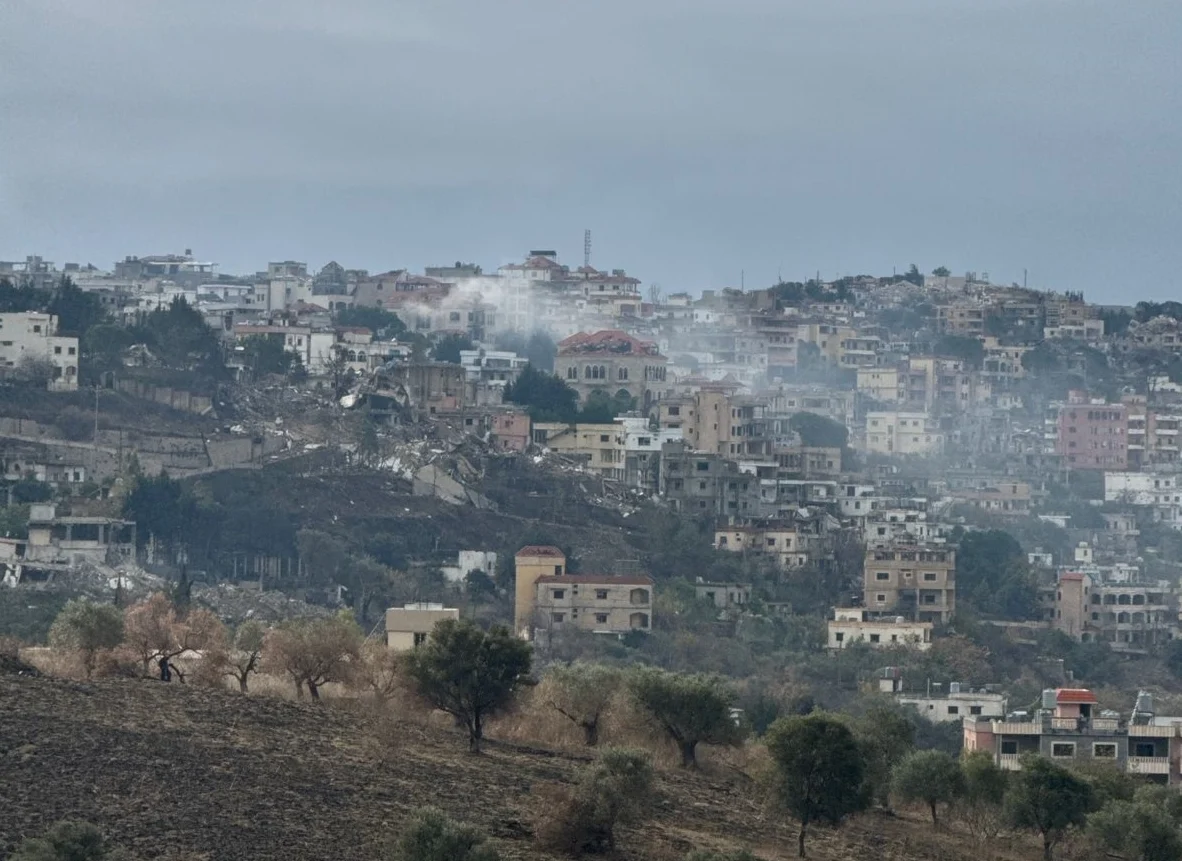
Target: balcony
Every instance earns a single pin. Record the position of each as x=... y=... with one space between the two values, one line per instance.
x=1148 y=765
x=1064 y=723
x=1010 y=728
x=1009 y=761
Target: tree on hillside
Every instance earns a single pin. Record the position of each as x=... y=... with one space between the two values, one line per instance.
x=546 y=397
x=76 y=310
x=240 y=657
x=433 y=836
x=1137 y=831
x=382 y=323
x=930 y=776
x=984 y=794
x=88 y=629
x=469 y=673
x=971 y=351
x=914 y=275
x=155 y=631
x=581 y=693
x=1048 y=799
x=992 y=573
x=19 y=298
x=539 y=348
x=179 y=337
x=66 y=841
x=265 y=354
x=314 y=652
x=819 y=770
x=447 y=348
x=941 y=272
x=816 y=430
x=885 y=736
x=602 y=408
x=610 y=792
x=692 y=709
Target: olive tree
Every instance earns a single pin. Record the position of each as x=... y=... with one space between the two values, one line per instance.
x=156 y=631
x=469 y=673
x=314 y=652
x=819 y=770
x=611 y=791
x=581 y=693
x=1048 y=799
x=692 y=709
x=930 y=776
x=88 y=629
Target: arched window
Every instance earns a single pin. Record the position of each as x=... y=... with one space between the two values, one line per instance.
x=622 y=373
x=602 y=373
x=1124 y=599
x=638 y=621
x=587 y=372
x=1121 y=618
x=638 y=596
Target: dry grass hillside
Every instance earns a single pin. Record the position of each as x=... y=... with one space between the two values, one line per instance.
x=175 y=771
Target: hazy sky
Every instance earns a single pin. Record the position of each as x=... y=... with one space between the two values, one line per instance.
x=696 y=138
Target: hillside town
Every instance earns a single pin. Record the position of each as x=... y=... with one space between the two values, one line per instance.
x=958 y=497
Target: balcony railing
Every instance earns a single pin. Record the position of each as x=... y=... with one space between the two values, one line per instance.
x=1148 y=765
x=1012 y=728
x=1009 y=761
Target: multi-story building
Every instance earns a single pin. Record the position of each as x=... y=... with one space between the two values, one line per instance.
x=1130 y=616
x=1153 y=432
x=600 y=447
x=943 y=705
x=1159 y=491
x=599 y=603
x=530 y=564
x=715 y=419
x=1093 y=434
x=913 y=580
x=961 y=318
x=704 y=483
x=29 y=340
x=907 y=433
x=611 y=361
x=778 y=541
x=1070 y=728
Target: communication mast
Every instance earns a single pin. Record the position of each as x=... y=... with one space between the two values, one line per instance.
x=586 y=248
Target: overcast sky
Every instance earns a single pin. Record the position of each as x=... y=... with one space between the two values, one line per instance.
x=695 y=138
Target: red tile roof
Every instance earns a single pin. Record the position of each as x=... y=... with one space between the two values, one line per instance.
x=1071 y=575
x=540 y=550
x=1074 y=695
x=596 y=580
x=607 y=340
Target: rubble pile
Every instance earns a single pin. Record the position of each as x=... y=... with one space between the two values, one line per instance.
x=234 y=603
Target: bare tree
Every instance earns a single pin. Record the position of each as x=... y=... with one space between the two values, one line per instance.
x=155 y=631
x=240 y=657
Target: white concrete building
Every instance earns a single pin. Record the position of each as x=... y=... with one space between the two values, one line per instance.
x=29 y=338
x=471 y=560
x=850 y=625
x=1161 y=491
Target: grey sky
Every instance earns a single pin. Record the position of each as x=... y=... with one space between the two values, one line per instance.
x=695 y=138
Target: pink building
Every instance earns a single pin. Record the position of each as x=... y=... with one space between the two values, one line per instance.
x=510 y=430
x=1093 y=434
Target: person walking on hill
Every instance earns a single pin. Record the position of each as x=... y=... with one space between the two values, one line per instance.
x=165 y=669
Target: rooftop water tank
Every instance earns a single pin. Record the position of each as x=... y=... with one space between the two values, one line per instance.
x=1144 y=703
x=954 y=687
x=1049 y=699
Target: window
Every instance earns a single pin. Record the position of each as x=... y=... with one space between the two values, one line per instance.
x=1104 y=750
x=1009 y=747
x=601 y=594
x=557 y=570
x=556 y=618
x=419 y=639
x=929 y=576
x=57 y=351
x=639 y=596
x=882 y=575
x=874 y=638
x=603 y=437
x=557 y=594
x=1063 y=750
x=674 y=411
x=703 y=466
x=954 y=710
x=601 y=618
x=929 y=599
x=880 y=598
x=839 y=636
x=1143 y=748
x=974 y=710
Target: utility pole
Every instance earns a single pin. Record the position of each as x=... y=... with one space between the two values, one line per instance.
x=587 y=248
x=96 y=405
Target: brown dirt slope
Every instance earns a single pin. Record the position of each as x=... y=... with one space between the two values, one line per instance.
x=175 y=771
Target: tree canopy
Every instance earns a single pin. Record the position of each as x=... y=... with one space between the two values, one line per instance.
x=993 y=575
x=969 y=350
x=470 y=673
x=545 y=397
x=692 y=709
x=930 y=776
x=817 y=430
x=447 y=348
x=384 y=324
x=1048 y=799
x=87 y=628
x=819 y=770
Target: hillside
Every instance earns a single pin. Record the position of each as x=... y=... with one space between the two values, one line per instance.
x=179 y=772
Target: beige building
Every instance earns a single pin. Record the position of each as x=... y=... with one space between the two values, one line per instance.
x=599 y=603
x=611 y=361
x=724 y=596
x=601 y=447
x=530 y=564
x=715 y=419
x=408 y=627
x=915 y=581
x=782 y=542
x=886 y=385
x=908 y=433
x=853 y=625
x=1128 y=616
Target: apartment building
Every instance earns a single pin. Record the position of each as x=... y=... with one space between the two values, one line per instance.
x=1092 y=434
x=1130 y=616
x=961 y=318
x=530 y=564
x=1159 y=491
x=1071 y=728
x=599 y=447
x=779 y=541
x=715 y=419
x=905 y=433
x=705 y=483
x=1152 y=433
x=915 y=581
x=598 y=603
x=31 y=339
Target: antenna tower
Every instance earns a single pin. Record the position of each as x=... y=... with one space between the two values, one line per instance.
x=586 y=248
